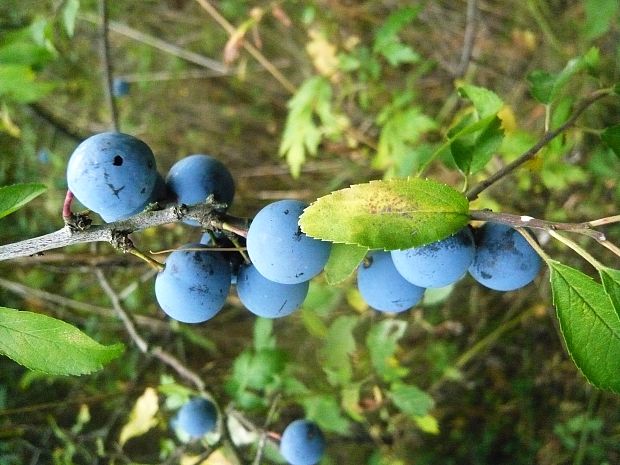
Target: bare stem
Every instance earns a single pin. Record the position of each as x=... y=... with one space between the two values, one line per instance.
x=106 y=64
x=604 y=221
x=66 y=206
x=577 y=248
x=528 y=222
x=258 y=56
x=468 y=38
x=141 y=343
x=543 y=141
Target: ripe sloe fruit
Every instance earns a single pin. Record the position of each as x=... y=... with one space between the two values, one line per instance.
x=279 y=250
x=193 y=178
x=196 y=417
x=112 y=174
x=194 y=285
x=302 y=443
x=504 y=260
x=439 y=263
x=267 y=298
x=382 y=287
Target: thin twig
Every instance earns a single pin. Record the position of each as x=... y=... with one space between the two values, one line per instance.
x=529 y=222
x=130 y=327
x=32 y=293
x=577 y=249
x=468 y=38
x=106 y=64
x=262 y=442
x=532 y=151
x=258 y=56
x=141 y=343
x=162 y=45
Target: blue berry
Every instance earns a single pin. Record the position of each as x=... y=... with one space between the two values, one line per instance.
x=196 y=417
x=279 y=250
x=120 y=87
x=382 y=287
x=112 y=174
x=192 y=179
x=439 y=263
x=194 y=285
x=267 y=298
x=302 y=443
x=504 y=260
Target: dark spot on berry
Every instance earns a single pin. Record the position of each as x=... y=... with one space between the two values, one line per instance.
x=150 y=164
x=143 y=190
x=286 y=212
x=118 y=160
x=486 y=275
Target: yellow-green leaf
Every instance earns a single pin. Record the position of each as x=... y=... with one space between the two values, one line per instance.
x=390 y=214
x=343 y=260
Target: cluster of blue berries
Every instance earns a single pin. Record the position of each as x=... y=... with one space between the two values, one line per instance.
x=495 y=255
x=302 y=442
x=115 y=175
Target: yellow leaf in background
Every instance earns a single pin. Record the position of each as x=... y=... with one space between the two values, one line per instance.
x=142 y=416
x=428 y=424
x=509 y=122
x=323 y=54
x=7 y=124
x=216 y=458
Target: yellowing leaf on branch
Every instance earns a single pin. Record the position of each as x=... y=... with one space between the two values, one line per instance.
x=323 y=55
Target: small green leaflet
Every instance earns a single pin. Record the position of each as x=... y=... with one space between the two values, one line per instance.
x=302 y=135
x=343 y=260
x=382 y=342
x=42 y=343
x=485 y=102
x=589 y=324
x=391 y=214
x=337 y=350
x=14 y=197
x=611 y=283
x=69 y=14
x=471 y=153
x=545 y=87
x=611 y=137
x=411 y=399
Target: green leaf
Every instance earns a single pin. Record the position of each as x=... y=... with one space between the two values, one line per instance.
x=343 y=261
x=391 y=214
x=545 y=87
x=18 y=83
x=263 y=334
x=337 y=349
x=325 y=411
x=541 y=85
x=401 y=130
x=600 y=14
x=485 y=101
x=43 y=343
x=397 y=53
x=471 y=153
x=69 y=14
x=14 y=197
x=411 y=399
x=611 y=283
x=388 y=32
x=611 y=137
x=589 y=324
x=382 y=342
x=302 y=135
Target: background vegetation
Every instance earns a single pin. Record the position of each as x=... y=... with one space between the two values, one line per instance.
x=299 y=99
